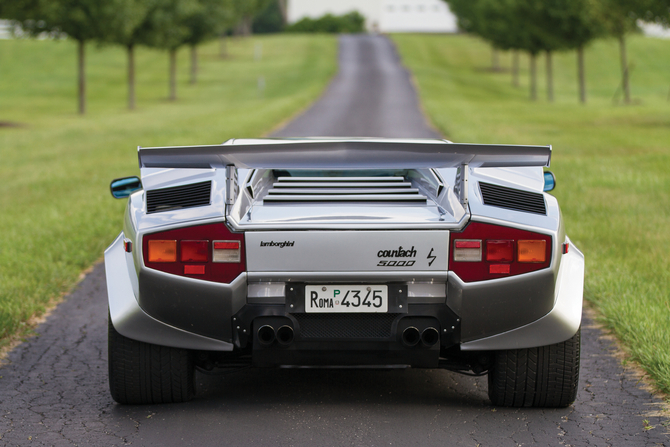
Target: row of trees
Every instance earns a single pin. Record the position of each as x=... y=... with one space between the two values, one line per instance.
x=536 y=26
x=162 y=24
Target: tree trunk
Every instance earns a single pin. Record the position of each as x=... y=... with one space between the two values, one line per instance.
x=580 y=74
x=515 y=68
x=282 y=8
x=533 y=77
x=550 y=78
x=625 y=86
x=495 y=59
x=173 y=74
x=223 y=46
x=81 y=60
x=131 y=76
x=194 y=64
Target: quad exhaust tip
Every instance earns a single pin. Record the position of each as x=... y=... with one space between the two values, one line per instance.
x=266 y=335
x=285 y=335
x=411 y=336
x=429 y=337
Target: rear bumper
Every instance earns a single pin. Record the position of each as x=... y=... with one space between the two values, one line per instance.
x=221 y=317
x=410 y=334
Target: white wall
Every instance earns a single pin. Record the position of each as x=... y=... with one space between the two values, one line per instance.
x=428 y=16
x=423 y=16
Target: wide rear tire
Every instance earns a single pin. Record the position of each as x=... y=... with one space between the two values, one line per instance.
x=143 y=373
x=547 y=376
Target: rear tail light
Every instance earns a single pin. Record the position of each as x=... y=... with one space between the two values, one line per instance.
x=467 y=250
x=482 y=251
x=226 y=251
x=194 y=251
x=532 y=251
x=162 y=251
x=208 y=252
x=500 y=251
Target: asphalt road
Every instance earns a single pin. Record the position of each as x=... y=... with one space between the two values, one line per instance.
x=53 y=390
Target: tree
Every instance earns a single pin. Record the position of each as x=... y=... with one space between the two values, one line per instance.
x=563 y=25
x=575 y=24
x=128 y=28
x=470 y=19
x=620 y=17
x=81 y=20
x=166 y=28
x=245 y=11
x=206 y=21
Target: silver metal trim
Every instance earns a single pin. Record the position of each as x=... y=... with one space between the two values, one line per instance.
x=131 y=321
x=560 y=324
x=232 y=187
x=351 y=277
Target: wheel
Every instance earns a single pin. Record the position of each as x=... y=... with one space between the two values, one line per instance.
x=536 y=377
x=143 y=373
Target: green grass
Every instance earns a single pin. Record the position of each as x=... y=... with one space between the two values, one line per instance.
x=612 y=164
x=57 y=214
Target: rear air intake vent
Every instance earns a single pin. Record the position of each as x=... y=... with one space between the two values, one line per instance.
x=178 y=197
x=512 y=199
x=343 y=189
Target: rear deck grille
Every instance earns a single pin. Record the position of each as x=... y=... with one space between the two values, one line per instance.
x=512 y=199
x=178 y=197
x=345 y=326
x=343 y=189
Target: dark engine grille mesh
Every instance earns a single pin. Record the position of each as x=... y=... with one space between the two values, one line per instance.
x=345 y=325
x=513 y=199
x=186 y=196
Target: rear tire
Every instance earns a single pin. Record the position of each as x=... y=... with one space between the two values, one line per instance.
x=546 y=376
x=143 y=373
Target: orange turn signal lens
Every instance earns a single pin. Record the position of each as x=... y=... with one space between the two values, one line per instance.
x=162 y=251
x=532 y=250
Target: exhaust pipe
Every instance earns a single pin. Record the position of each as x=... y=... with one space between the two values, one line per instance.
x=430 y=336
x=410 y=336
x=285 y=335
x=266 y=335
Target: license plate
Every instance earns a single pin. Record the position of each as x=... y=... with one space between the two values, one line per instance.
x=349 y=299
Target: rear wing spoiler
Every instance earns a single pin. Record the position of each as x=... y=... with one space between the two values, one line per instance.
x=346 y=154
x=343 y=154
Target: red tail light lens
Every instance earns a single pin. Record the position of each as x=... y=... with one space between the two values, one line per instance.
x=502 y=251
x=196 y=252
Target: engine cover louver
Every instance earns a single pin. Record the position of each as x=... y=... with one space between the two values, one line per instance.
x=512 y=199
x=178 y=197
x=343 y=189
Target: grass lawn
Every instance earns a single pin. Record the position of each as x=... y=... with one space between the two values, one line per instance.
x=57 y=214
x=612 y=163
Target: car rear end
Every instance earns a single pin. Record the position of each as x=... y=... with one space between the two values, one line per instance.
x=273 y=260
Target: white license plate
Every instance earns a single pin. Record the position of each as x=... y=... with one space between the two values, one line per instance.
x=351 y=299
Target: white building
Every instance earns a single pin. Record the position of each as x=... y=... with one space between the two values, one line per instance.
x=5 y=29
x=386 y=16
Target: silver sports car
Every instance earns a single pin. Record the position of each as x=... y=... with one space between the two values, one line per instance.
x=344 y=252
